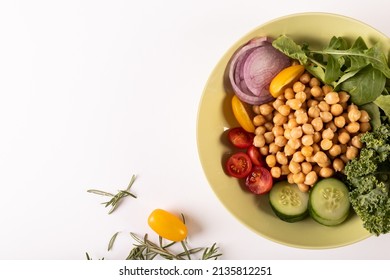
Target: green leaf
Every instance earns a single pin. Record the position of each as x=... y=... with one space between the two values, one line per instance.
x=383 y=102
x=112 y=240
x=378 y=59
x=365 y=86
x=332 y=71
x=373 y=111
x=287 y=46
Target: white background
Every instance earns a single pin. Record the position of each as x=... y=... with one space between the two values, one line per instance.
x=93 y=92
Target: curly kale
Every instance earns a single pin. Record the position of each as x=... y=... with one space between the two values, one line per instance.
x=369 y=179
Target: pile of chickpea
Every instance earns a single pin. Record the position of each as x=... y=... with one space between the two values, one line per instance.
x=309 y=131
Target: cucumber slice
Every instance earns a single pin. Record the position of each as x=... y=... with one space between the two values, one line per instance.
x=329 y=202
x=288 y=202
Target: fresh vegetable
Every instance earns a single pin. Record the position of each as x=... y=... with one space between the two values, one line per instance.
x=117 y=198
x=288 y=202
x=240 y=138
x=255 y=156
x=252 y=68
x=238 y=165
x=240 y=112
x=259 y=180
x=360 y=70
x=368 y=177
x=167 y=225
x=329 y=202
x=285 y=78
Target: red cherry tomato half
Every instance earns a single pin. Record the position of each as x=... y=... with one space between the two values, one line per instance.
x=255 y=156
x=240 y=138
x=259 y=181
x=239 y=165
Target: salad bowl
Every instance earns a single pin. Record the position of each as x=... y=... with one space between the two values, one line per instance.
x=215 y=117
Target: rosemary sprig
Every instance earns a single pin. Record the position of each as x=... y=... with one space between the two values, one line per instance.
x=117 y=198
x=148 y=250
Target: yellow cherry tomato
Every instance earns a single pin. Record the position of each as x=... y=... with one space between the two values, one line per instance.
x=241 y=114
x=167 y=225
x=285 y=78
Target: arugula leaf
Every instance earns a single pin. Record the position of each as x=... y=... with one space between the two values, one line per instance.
x=287 y=46
x=365 y=86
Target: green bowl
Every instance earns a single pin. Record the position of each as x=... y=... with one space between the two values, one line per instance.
x=215 y=117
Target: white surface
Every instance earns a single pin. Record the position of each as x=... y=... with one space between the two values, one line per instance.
x=95 y=91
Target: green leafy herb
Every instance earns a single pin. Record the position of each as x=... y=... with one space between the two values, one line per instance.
x=369 y=179
x=360 y=70
x=145 y=249
x=117 y=198
x=383 y=102
x=112 y=240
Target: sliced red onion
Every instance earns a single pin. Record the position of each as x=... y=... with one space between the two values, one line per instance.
x=252 y=68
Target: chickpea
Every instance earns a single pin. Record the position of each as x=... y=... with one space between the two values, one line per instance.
x=294 y=104
x=352 y=152
x=355 y=141
x=259 y=141
x=326 y=172
x=294 y=143
x=280 y=141
x=312 y=103
x=311 y=178
x=317 y=124
x=344 y=158
x=259 y=120
x=284 y=110
x=305 y=78
x=320 y=157
x=335 y=150
x=270 y=160
x=290 y=178
x=289 y=93
x=277 y=130
x=344 y=137
x=294 y=167
x=313 y=112
x=316 y=169
x=276 y=172
x=316 y=91
x=354 y=115
x=256 y=109
x=336 y=109
x=308 y=129
x=307 y=140
x=302 y=118
x=317 y=137
x=285 y=169
x=301 y=96
x=266 y=109
x=277 y=103
x=306 y=167
x=343 y=96
x=327 y=88
x=314 y=82
x=287 y=133
x=323 y=106
x=298 y=157
x=326 y=144
x=298 y=86
x=353 y=127
x=299 y=178
x=260 y=130
x=273 y=148
x=303 y=187
x=269 y=117
x=326 y=116
x=288 y=150
x=332 y=97
x=268 y=126
x=364 y=116
x=331 y=125
x=307 y=151
x=292 y=123
x=338 y=165
x=316 y=148
x=264 y=151
x=269 y=137
x=279 y=119
x=281 y=158
x=339 y=121
x=365 y=126
x=296 y=132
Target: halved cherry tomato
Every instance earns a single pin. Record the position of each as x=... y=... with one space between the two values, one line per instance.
x=167 y=225
x=240 y=138
x=255 y=156
x=259 y=181
x=239 y=165
x=241 y=113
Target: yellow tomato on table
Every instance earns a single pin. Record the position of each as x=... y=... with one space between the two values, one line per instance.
x=167 y=225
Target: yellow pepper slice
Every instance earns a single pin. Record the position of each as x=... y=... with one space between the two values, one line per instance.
x=241 y=114
x=285 y=78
